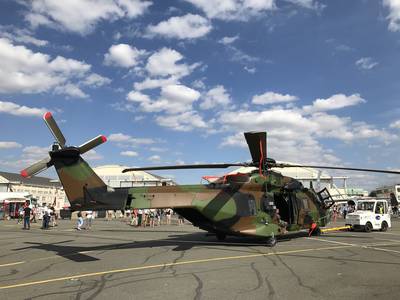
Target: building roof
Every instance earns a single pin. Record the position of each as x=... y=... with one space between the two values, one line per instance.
x=116 y=170
x=34 y=180
x=301 y=173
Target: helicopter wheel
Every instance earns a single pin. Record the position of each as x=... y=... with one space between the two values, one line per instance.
x=221 y=236
x=271 y=242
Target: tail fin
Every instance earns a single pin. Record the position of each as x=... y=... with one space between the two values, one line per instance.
x=84 y=188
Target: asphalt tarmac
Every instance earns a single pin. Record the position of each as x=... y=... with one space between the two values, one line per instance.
x=116 y=261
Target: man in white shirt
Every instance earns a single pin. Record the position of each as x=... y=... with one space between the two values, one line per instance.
x=89 y=219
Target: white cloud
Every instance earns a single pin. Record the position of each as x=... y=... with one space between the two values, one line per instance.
x=127 y=140
x=238 y=55
x=173 y=99
x=129 y=153
x=249 y=69
x=185 y=27
x=23 y=36
x=136 y=96
x=216 y=96
x=35 y=152
x=154 y=158
x=165 y=62
x=25 y=71
x=227 y=40
x=261 y=120
x=164 y=69
x=185 y=121
x=395 y=124
x=92 y=155
x=179 y=94
x=158 y=149
x=294 y=136
x=366 y=63
x=310 y=4
x=154 y=83
x=334 y=102
x=96 y=80
x=271 y=98
x=394 y=14
x=81 y=16
x=240 y=10
x=21 y=110
x=123 y=55
x=9 y=145
x=70 y=90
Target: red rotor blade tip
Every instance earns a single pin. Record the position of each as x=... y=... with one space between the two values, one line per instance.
x=47 y=115
x=104 y=138
x=24 y=173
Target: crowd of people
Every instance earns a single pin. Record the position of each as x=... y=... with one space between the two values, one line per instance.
x=135 y=217
x=146 y=217
x=151 y=217
x=341 y=210
x=29 y=213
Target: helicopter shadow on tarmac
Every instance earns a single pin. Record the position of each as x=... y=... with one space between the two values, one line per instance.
x=181 y=243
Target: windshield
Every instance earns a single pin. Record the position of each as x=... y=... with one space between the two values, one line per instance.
x=365 y=206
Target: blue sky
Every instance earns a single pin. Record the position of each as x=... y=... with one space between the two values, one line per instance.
x=172 y=82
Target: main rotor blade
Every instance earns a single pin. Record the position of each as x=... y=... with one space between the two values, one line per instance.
x=257 y=146
x=98 y=140
x=278 y=165
x=37 y=167
x=55 y=130
x=180 y=167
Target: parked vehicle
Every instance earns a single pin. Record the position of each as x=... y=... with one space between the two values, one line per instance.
x=370 y=215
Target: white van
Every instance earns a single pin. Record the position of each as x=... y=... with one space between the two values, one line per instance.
x=370 y=215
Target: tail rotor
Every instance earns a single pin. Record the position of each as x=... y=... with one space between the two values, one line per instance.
x=59 y=146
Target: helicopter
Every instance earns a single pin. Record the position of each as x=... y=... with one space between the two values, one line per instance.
x=262 y=203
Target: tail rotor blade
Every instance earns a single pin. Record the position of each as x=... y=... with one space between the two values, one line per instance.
x=36 y=167
x=257 y=142
x=55 y=130
x=257 y=145
x=92 y=143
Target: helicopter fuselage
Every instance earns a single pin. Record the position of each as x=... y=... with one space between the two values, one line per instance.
x=253 y=204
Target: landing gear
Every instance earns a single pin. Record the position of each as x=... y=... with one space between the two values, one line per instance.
x=271 y=242
x=221 y=236
x=316 y=231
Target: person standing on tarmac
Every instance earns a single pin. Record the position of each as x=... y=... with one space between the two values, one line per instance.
x=89 y=219
x=27 y=216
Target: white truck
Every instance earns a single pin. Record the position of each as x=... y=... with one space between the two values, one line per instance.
x=370 y=215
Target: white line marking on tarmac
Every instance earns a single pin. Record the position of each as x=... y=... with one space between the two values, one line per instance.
x=226 y=258
x=382 y=249
x=366 y=246
x=332 y=242
x=111 y=247
x=13 y=264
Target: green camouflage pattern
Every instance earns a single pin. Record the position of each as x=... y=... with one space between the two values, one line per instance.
x=239 y=208
x=263 y=203
x=236 y=205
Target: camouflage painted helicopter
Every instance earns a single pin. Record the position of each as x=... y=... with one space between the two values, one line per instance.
x=238 y=204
